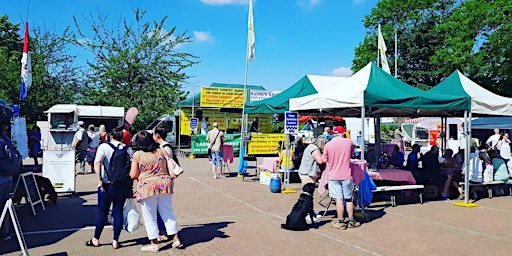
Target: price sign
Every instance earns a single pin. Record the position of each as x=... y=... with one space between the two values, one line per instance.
x=193 y=123
x=291 y=122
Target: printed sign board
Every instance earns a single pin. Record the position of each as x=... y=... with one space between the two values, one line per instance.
x=291 y=122
x=194 y=121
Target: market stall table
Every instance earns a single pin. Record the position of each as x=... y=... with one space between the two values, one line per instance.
x=270 y=164
x=358 y=167
x=394 y=175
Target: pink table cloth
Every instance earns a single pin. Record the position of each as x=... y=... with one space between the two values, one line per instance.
x=270 y=163
x=388 y=148
x=393 y=175
x=227 y=153
x=357 y=167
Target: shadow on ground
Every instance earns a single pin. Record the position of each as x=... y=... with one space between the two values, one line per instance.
x=67 y=216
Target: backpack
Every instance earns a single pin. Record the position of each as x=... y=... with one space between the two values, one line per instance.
x=10 y=158
x=174 y=156
x=119 y=165
x=84 y=141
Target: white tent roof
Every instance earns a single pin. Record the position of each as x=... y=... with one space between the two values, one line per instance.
x=483 y=101
x=336 y=94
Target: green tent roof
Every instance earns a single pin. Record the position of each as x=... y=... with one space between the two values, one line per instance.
x=307 y=85
x=380 y=93
x=196 y=98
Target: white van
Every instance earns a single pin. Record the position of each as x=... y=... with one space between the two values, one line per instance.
x=427 y=131
x=172 y=125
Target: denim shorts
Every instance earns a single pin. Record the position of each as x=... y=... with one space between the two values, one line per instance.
x=341 y=189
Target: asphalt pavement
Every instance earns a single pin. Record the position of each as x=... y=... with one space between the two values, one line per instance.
x=234 y=217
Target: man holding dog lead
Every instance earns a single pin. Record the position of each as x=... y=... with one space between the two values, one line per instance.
x=337 y=155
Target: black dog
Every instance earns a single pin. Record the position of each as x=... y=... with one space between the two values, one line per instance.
x=296 y=220
x=45 y=187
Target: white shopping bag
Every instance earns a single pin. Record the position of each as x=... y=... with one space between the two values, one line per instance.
x=131 y=216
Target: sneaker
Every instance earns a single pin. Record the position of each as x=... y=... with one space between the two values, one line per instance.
x=150 y=248
x=339 y=225
x=352 y=223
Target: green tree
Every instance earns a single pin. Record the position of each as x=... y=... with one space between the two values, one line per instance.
x=479 y=43
x=415 y=23
x=135 y=65
x=10 y=56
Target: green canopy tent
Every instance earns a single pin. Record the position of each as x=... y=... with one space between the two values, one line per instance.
x=278 y=104
x=378 y=93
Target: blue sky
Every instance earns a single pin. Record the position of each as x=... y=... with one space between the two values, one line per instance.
x=293 y=37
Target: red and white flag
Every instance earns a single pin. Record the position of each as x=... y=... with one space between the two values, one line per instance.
x=26 y=68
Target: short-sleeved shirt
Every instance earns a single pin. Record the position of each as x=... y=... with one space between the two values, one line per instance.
x=79 y=135
x=493 y=140
x=127 y=138
x=214 y=140
x=106 y=151
x=308 y=164
x=154 y=176
x=337 y=153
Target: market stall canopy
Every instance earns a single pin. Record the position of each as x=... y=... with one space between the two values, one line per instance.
x=6 y=109
x=483 y=102
x=492 y=123
x=380 y=93
x=319 y=118
x=307 y=85
x=194 y=100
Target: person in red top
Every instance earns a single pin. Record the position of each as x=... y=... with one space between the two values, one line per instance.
x=127 y=137
x=336 y=155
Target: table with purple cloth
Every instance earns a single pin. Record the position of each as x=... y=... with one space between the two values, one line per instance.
x=357 y=167
x=395 y=175
x=388 y=148
x=270 y=164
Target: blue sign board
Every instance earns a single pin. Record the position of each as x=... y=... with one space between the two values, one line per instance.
x=193 y=123
x=291 y=122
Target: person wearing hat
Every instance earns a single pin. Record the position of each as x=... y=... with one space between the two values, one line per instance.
x=215 y=139
x=337 y=154
x=80 y=144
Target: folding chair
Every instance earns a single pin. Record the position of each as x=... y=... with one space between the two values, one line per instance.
x=358 y=198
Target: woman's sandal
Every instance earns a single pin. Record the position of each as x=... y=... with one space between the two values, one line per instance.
x=91 y=243
x=177 y=244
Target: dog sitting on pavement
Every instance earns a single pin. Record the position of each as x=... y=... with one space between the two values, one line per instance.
x=296 y=220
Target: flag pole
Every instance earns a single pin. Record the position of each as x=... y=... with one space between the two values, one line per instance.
x=396 y=53
x=249 y=56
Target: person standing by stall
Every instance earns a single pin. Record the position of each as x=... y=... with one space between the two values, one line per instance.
x=34 y=142
x=93 y=145
x=204 y=125
x=215 y=140
x=337 y=155
x=81 y=144
x=255 y=125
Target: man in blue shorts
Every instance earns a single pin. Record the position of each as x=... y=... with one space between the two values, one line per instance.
x=215 y=140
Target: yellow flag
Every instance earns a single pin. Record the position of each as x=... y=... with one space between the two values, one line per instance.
x=382 y=50
x=250 y=34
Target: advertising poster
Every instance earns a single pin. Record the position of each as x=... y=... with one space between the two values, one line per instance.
x=59 y=167
x=200 y=145
x=222 y=97
x=264 y=143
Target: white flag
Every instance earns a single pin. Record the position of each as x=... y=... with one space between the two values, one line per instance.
x=382 y=51
x=250 y=34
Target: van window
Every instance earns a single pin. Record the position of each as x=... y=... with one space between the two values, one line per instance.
x=422 y=134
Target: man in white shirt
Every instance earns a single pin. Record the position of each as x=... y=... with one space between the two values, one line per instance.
x=492 y=142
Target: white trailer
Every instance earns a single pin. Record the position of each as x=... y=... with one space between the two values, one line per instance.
x=429 y=131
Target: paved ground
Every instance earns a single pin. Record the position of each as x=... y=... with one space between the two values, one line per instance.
x=231 y=217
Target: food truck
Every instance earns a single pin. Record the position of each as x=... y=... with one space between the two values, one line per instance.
x=57 y=136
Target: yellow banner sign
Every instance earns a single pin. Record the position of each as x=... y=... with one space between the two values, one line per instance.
x=265 y=143
x=222 y=97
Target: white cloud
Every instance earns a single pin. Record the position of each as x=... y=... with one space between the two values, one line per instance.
x=308 y=3
x=203 y=36
x=342 y=71
x=225 y=2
